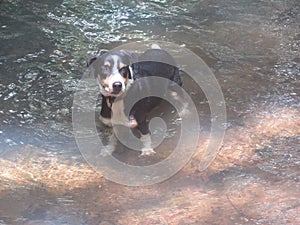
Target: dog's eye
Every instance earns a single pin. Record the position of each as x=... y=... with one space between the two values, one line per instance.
x=105 y=69
x=124 y=71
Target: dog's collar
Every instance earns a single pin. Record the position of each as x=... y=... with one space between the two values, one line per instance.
x=131 y=73
x=109 y=100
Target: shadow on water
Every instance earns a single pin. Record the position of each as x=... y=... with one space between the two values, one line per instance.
x=252 y=48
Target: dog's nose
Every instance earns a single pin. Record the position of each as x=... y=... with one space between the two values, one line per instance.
x=117 y=87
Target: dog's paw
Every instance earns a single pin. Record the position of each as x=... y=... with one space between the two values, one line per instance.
x=132 y=122
x=147 y=152
x=105 y=121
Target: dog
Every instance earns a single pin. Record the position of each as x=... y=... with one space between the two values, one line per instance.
x=116 y=72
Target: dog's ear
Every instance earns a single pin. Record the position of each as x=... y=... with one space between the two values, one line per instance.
x=91 y=60
x=95 y=57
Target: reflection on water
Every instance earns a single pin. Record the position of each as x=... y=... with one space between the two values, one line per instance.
x=252 y=48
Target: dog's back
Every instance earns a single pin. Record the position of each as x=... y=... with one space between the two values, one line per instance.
x=157 y=62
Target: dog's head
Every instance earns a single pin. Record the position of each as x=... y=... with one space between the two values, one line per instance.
x=112 y=71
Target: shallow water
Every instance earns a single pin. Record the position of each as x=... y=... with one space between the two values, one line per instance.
x=251 y=46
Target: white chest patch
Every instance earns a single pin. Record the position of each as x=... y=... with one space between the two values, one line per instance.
x=118 y=115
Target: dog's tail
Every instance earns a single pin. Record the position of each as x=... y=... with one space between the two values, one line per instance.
x=155 y=46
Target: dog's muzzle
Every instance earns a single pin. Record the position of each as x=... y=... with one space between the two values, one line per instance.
x=117 y=87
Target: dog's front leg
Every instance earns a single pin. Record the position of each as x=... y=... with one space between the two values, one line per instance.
x=105 y=114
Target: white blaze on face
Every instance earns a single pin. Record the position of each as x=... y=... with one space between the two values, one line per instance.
x=115 y=75
x=116 y=78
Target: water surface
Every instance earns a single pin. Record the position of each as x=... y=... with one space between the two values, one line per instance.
x=251 y=46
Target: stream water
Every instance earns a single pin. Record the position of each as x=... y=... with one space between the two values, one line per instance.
x=252 y=47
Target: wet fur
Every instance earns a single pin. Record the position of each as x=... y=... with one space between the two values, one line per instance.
x=143 y=65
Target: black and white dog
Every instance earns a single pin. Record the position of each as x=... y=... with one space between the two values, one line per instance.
x=116 y=71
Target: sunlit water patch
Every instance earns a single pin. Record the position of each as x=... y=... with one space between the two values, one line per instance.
x=252 y=48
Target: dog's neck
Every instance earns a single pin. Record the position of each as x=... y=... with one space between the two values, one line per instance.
x=110 y=100
x=118 y=113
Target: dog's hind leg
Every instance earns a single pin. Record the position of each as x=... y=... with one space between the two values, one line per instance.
x=147 y=145
x=109 y=149
x=147 y=148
